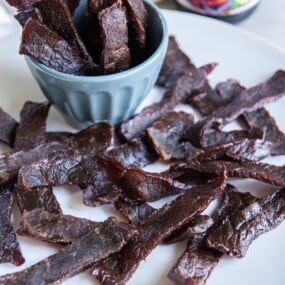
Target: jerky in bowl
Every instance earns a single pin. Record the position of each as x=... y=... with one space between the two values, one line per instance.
x=109 y=88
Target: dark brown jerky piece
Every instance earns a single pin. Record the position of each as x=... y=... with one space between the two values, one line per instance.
x=56 y=15
x=115 y=54
x=177 y=93
x=261 y=120
x=138 y=16
x=175 y=64
x=252 y=98
x=9 y=247
x=46 y=46
x=12 y=161
x=109 y=237
x=199 y=225
x=57 y=136
x=38 y=198
x=210 y=99
x=268 y=173
x=165 y=135
x=32 y=127
x=244 y=224
x=195 y=265
x=92 y=33
x=142 y=186
x=54 y=228
x=8 y=126
x=87 y=172
x=118 y=268
x=134 y=211
x=93 y=139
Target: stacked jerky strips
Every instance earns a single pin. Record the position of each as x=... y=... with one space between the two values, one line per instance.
x=107 y=164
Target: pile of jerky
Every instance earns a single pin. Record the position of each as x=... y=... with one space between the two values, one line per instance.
x=113 y=37
x=107 y=163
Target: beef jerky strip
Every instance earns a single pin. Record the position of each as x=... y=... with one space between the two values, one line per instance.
x=243 y=150
x=12 y=161
x=8 y=126
x=177 y=92
x=55 y=14
x=199 y=225
x=87 y=172
x=57 y=136
x=267 y=173
x=38 y=198
x=118 y=268
x=262 y=120
x=133 y=211
x=9 y=247
x=242 y=226
x=93 y=139
x=92 y=33
x=165 y=135
x=210 y=99
x=248 y=100
x=138 y=16
x=46 y=46
x=196 y=263
x=54 y=228
x=32 y=127
x=115 y=54
x=252 y=98
x=109 y=237
x=175 y=64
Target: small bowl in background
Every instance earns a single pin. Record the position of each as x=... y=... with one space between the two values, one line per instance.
x=89 y=99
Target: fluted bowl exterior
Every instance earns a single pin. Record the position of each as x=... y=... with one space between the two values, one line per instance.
x=115 y=97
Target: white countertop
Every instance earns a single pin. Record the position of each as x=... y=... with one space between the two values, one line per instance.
x=268 y=21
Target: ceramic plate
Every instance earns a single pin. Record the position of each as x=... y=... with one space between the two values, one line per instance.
x=240 y=55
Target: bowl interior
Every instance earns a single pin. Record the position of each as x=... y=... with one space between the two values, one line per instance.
x=154 y=33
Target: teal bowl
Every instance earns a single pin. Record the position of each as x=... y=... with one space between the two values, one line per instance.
x=85 y=100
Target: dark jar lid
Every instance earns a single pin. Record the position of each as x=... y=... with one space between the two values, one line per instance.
x=227 y=10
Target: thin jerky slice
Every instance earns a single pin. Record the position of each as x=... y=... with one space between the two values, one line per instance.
x=11 y=162
x=175 y=64
x=118 y=268
x=8 y=126
x=138 y=16
x=87 y=172
x=133 y=211
x=92 y=32
x=54 y=228
x=165 y=135
x=115 y=54
x=9 y=247
x=199 y=225
x=267 y=173
x=176 y=93
x=107 y=238
x=56 y=15
x=243 y=225
x=46 y=46
x=57 y=136
x=252 y=98
x=32 y=127
x=196 y=263
x=38 y=198
x=262 y=120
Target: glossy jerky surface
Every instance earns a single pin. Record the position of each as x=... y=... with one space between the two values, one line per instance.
x=9 y=247
x=108 y=238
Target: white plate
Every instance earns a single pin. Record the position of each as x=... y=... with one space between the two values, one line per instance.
x=240 y=55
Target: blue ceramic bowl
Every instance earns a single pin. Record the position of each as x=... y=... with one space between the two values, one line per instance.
x=88 y=99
